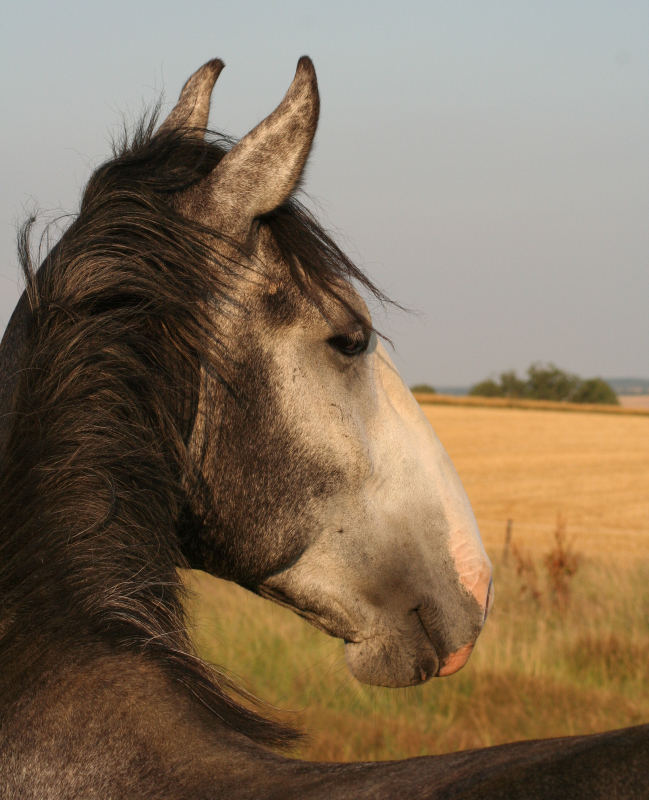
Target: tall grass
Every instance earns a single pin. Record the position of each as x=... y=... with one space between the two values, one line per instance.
x=541 y=667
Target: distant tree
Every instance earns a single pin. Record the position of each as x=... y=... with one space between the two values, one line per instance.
x=511 y=385
x=423 y=388
x=488 y=388
x=595 y=390
x=548 y=382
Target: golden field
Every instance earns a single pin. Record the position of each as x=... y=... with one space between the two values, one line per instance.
x=544 y=665
x=634 y=401
x=531 y=465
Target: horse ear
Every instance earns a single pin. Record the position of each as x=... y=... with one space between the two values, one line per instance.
x=264 y=167
x=193 y=106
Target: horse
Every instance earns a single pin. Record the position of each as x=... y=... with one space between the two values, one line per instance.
x=192 y=379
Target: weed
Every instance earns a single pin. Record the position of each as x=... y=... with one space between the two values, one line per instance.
x=561 y=565
x=527 y=574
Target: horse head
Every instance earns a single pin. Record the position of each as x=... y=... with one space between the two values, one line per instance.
x=324 y=485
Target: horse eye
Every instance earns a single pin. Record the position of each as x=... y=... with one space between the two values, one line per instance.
x=350 y=344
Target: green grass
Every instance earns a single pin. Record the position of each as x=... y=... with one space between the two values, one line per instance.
x=538 y=669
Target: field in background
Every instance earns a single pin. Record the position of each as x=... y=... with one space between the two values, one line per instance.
x=540 y=668
x=629 y=404
x=531 y=465
x=634 y=401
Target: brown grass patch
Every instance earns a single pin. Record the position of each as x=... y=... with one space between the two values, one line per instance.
x=497 y=708
x=609 y=657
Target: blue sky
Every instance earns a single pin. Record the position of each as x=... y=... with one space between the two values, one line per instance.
x=485 y=162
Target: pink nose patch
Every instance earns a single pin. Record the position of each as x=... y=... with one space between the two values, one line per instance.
x=473 y=567
x=456 y=661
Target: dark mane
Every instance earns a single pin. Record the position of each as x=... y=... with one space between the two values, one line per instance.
x=97 y=470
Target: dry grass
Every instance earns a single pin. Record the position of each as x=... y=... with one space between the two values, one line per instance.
x=537 y=671
x=541 y=667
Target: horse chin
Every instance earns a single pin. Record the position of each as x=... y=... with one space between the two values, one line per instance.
x=381 y=663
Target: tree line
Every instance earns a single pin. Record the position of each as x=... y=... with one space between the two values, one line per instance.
x=547 y=382
x=543 y=382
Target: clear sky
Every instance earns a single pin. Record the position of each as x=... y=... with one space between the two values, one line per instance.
x=486 y=162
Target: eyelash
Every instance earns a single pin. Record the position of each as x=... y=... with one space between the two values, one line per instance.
x=350 y=344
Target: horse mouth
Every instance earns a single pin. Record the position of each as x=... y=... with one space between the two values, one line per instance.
x=380 y=661
x=384 y=657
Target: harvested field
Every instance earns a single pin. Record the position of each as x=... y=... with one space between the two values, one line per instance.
x=634 y=401
x=626 y=406
x=532 y=465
